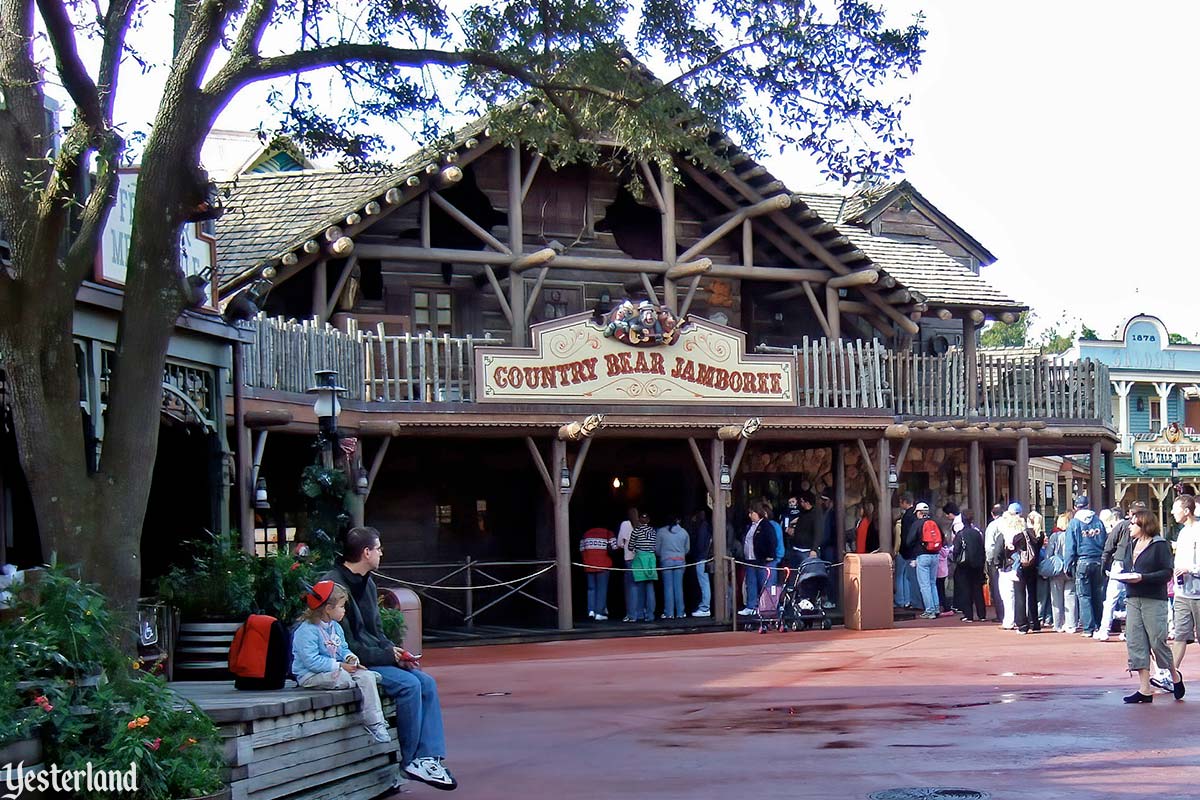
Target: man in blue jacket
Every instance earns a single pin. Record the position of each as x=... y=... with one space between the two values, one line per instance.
x=1084 y=554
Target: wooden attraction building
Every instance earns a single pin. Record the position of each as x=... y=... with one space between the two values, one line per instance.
x=528 y=351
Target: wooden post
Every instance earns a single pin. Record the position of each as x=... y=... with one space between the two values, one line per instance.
x=562 y=537
x=670 y=295
x=244 y=464
x=722 y=574
x=975 y=483
x=320 y=289
x=839 y=502
x=1021 y=473
x=516 y=235
x=1110 y=479
x=972 y=378
x=883 y=514
x=833 y=313
x=1097 y=492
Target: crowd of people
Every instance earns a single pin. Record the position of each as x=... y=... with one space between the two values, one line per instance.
x=1074 y=579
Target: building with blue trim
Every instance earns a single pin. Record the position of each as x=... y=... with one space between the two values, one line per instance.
x=1156 y=409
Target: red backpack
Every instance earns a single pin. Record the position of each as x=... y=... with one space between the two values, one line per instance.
x=261 y=654
x=931 y=536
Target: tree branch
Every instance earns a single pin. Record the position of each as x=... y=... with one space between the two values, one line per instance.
x=258 y=17
x=81 y=256
x=116 y=27
x=238 y=74
x=75 y=77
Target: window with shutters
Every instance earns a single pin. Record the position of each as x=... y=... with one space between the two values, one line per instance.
x=433 y=311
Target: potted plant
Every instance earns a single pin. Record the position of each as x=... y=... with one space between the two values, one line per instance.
x=66 y=685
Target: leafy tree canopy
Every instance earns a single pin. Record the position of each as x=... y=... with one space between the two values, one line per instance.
x=1178 y=338
x=1088 y=334
x=817 y=77
x=1007 y=334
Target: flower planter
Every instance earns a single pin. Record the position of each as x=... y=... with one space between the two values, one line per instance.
x=202 y=649
x=223 y=794
x=27 y=751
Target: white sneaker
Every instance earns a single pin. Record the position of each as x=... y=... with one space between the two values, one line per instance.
x=1100 y=637
x=431 y=771
x=591 y=615
x=379 y=732
x=701 y=613
x=745 y=612
x=600 y=618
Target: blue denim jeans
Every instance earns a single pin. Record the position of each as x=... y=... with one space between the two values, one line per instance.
x=643 y=600
x=418 y=712
x=755 y=577
x=927 y=565
x=903 y=581
x=705 y=588
x=597 y=592
x=1089 y=587
x=631 y=606
x=673 y=590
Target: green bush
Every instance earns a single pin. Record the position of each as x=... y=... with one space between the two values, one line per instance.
x=281 y=580
x=393 y=624
x=62 y=673
x=218 y=583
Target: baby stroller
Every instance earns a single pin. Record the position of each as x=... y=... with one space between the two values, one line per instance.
x=808 y=589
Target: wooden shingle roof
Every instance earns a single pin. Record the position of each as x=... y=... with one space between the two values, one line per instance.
x=273 y=212
x=926 y=269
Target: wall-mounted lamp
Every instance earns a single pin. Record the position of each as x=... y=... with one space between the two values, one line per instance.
x=726 y=478
x=1174 y=471
x=260 y=494
x=893 y=475
x=1141 y=404
x=363 y=484
x=564 y=479
x=616 y=484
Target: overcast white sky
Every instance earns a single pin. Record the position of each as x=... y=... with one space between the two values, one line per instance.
x=1060 y=135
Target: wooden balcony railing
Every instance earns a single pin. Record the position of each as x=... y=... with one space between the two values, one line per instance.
x=376 y=366
x=866 y=375
x=372 y=365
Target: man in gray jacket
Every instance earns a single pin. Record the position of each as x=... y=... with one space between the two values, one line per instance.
x=993 y=539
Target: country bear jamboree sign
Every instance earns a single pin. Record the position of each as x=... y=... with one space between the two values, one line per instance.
x=577 y=359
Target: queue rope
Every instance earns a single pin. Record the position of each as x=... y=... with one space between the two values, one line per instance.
x=473 y=587
x=630 y=569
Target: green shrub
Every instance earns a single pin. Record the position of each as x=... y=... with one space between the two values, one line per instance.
x=218 y=583
x=393 y=624
x=62 y=673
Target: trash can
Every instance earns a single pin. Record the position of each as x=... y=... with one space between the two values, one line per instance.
x=407 y=602
x=867 y=579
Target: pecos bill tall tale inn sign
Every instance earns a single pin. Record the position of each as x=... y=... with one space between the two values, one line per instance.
x=619 y=360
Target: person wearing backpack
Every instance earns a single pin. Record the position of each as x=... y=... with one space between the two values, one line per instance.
x=929 y=547
x=1084 y=557
x=421 y=736
x=1064 y=606
x=969 y=562
x=1028 y=546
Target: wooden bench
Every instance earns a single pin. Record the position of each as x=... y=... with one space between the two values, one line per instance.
x=296 y=744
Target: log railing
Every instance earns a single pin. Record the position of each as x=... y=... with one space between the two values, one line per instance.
x=372 y=365
x=838 y=374
x=865 y=375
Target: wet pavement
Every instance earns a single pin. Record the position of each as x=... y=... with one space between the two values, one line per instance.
x=837 y=714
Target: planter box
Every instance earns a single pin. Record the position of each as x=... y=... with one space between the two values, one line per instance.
x=27 y=751
x=202 y=650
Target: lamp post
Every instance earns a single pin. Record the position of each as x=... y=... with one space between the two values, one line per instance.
x=327 y=409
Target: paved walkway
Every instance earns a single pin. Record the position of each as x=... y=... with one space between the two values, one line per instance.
x=836 y=714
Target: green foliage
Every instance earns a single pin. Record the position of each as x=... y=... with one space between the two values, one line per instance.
x=1177 y=338
x=280 y=581
x=1088 y=334
x=1003 y=334
x=217 y=583
x=327 y=490
x=89 y=706
x=821 y=78
x=1055 y=343
x=393 y=624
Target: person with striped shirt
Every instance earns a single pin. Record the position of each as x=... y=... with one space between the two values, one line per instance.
x=643 y=541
